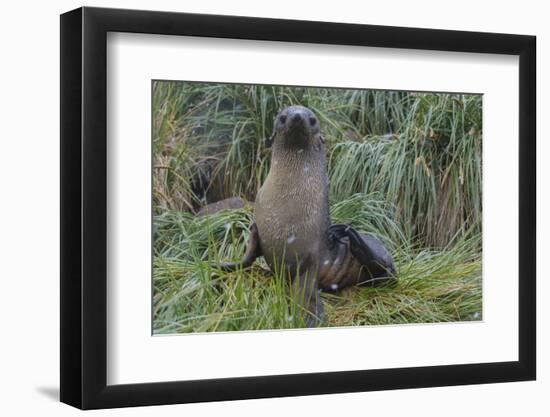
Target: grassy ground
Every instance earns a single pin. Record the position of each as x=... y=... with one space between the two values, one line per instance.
x=404 y=166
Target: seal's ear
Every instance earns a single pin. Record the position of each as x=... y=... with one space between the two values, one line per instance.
x=318 y=145
x=269 y=140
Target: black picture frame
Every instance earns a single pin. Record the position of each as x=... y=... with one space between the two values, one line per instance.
x=84 y=207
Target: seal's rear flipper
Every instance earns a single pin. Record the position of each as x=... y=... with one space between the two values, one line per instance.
x=253 y=251
x=304 y=290
x=368 y=250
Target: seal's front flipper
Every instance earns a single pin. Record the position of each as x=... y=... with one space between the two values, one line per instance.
x=368 y=250
x=253 y=251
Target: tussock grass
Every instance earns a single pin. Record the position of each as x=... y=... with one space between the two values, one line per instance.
x=190 y=296
x=403 y=166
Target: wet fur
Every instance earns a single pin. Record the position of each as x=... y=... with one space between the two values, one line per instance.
x=292 y=222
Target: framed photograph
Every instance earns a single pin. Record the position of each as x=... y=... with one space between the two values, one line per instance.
x=256 y=208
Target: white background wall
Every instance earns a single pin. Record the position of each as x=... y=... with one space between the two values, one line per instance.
x=29 y=237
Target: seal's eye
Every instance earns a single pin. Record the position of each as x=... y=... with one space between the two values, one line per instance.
x=282 y=119
x=312 y=121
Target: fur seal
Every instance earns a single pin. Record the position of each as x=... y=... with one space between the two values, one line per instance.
x=230 y=203
x=292 y=227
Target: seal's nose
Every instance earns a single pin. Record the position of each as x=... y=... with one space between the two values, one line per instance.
x=296 y=117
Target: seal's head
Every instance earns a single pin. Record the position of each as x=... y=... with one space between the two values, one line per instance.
x=296 y=126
